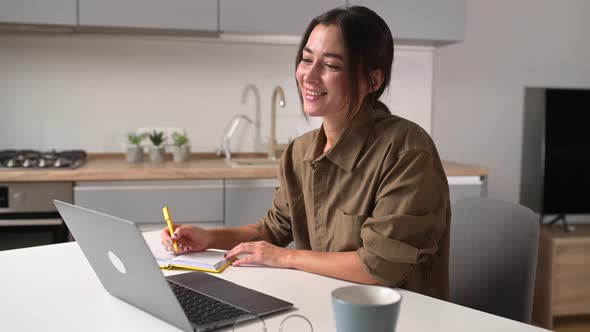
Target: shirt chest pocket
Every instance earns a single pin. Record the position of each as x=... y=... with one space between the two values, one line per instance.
x=346 y=231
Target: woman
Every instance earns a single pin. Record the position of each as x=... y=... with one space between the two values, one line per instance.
x=364 y=197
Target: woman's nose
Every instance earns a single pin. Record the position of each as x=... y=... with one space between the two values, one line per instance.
x=313 y=73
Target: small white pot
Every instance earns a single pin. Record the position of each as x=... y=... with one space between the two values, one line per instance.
x=181 y=153
x=134 y=154
x=157 y=154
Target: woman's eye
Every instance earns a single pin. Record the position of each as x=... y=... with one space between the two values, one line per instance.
x=332 y=66
x=306 y=60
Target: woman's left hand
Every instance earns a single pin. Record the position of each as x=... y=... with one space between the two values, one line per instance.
x=260 y=252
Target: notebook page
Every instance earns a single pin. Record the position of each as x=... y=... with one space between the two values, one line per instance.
x=162 y=256
x=209 y=259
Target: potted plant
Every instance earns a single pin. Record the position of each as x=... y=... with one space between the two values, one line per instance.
x=135 y=150
x=181 y=150
x=157 y=149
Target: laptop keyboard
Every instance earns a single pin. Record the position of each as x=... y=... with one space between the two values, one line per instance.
x=202 y=309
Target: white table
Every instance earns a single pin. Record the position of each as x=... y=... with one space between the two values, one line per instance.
x=53 y=288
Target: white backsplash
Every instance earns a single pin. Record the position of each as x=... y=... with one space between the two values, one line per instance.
x=88 y=91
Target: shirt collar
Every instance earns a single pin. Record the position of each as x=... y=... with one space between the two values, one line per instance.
x=347 y=149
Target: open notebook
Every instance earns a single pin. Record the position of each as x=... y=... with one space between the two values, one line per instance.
x=210 y=260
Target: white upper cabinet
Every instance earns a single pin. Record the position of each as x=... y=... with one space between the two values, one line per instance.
x=427 y=20
x=53 y=12
x=414 y=20
x=274 y=17
x=200 y=15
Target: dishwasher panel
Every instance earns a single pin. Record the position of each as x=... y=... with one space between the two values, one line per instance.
x=190 y=201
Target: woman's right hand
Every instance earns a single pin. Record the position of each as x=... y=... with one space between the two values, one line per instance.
x=189 y=238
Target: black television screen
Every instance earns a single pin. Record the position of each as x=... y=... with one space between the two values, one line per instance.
x=567 y=152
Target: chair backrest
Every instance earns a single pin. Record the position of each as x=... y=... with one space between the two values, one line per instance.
x=493 y=257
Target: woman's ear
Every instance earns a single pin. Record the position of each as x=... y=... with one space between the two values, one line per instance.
x=376 y=79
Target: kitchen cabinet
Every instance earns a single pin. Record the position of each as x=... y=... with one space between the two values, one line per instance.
x=229 y=202
x=466 y=186
x=52 y=12
x=206 y=203
x=563 y=271
x=150 y=14
x=427 y=20
x=416 y=20
x=279 y=17
x=247 y=200
x=190 y=201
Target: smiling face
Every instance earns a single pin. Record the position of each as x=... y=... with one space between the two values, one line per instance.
x=321 y=74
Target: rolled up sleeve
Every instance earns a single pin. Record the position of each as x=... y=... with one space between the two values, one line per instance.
x=408 y=220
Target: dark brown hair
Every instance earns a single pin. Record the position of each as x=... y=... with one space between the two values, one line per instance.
x=368 y=44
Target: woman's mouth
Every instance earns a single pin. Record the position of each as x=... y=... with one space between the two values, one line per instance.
x=313 y=94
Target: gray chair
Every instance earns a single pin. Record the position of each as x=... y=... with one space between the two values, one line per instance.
x=493 y=257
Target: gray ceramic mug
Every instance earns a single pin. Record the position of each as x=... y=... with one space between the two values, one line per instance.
x=365 y=308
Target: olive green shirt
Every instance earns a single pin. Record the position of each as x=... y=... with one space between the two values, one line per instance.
x=380 y=191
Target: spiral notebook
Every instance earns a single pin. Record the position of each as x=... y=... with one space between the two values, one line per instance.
x=210 y=260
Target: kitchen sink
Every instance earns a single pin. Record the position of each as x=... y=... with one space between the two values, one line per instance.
x=252 y=162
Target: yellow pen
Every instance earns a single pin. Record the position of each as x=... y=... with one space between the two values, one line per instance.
x=169 y=222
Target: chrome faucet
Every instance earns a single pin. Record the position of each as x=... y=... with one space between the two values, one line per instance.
x=229 y=131
x=252 y=88
x=273 y=147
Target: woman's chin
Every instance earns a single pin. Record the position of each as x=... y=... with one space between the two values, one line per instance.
x=312 y=112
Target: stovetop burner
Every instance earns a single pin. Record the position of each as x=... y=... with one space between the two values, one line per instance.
x=40 y=159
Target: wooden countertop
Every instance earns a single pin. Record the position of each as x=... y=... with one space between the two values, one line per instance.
x=458 y=169
x=113 y=167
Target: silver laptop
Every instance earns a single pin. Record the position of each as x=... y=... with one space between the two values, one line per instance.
x=194 y=301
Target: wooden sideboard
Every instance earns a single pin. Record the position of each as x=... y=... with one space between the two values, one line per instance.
x=562 y=285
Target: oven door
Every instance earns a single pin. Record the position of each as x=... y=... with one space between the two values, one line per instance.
x=30 y=230
x=27 y=215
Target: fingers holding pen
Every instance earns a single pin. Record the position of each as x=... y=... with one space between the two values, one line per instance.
x=182 y=247
x=169 y=240
x=165 y=235
x=189 y=237
x=181 y=232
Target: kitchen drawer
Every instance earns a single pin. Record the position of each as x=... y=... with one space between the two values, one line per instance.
x=142 y=201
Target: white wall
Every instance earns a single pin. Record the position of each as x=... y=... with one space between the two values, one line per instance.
x=479 y=83
x=88 y=91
